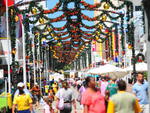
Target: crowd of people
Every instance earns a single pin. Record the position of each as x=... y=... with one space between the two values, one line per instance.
x=105 y=95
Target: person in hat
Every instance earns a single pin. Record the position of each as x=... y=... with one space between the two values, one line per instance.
x=22 y=101
x=26 y=91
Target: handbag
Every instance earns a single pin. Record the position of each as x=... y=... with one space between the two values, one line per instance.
x=60 y=105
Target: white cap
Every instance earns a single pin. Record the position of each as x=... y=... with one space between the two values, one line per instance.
x=36 y=83
x=20 y=84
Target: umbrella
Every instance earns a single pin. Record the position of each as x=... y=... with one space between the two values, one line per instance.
x=118 y=74
x=108 y=69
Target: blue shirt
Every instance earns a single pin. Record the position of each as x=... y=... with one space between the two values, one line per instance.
x=141 y=91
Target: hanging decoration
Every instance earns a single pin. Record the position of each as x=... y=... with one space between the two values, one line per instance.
x=140 y=57
x=106 y=6
x=75 y=32
x=34 y=11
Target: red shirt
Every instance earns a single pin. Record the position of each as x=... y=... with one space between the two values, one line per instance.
x=94 y=100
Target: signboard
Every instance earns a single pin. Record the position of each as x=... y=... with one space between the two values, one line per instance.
x=1 y=73
x=93 y=46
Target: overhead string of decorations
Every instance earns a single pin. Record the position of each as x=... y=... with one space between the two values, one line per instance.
x=75 y=32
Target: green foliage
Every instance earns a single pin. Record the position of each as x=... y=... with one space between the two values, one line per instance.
x=146 y=75
x=68 y=67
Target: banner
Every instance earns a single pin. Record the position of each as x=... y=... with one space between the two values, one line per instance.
x=3 y=5
x=113 y=43
x=93 y=46
x=101 y=50
x=10 y=3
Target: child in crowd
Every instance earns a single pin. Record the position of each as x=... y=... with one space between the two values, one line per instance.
x=51 y=98
x=48 y=106
x=51 y=94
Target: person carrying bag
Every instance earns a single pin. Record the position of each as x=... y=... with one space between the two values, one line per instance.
x=65 y=99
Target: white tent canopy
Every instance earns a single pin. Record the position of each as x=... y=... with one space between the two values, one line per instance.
x=105 y=69
x=56 y=76
x=139 y=67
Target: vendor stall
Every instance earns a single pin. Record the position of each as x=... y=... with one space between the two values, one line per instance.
x=5 y=98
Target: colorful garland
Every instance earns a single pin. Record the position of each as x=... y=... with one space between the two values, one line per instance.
x=73 y=31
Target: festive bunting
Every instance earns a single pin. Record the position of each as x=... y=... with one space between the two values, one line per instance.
x=72 y=35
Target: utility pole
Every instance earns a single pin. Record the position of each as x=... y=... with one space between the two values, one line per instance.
x=9 y=53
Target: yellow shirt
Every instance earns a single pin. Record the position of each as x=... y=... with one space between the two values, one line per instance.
x=111 y=106
x=46 y=88
x=28 y=84
x=54 y=87
x=22 y=101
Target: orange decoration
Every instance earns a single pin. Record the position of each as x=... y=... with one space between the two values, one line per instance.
x=130 y=46
x=27 y=57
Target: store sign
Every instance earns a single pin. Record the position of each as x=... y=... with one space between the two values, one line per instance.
x=1 y=73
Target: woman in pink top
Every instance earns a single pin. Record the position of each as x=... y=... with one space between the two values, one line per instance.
x=92 y=99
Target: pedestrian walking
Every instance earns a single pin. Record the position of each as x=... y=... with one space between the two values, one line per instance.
x=112 y=87
x=81 y=91
x=103 y=85
x=123 y=102
x=51 y=94
x=48 y=106
x=92 y=99
x=26 y=91
x=22 y=101
x=140 y=89
x=111 y=90
x=65 y=95
x=46 y=90
x=55 y=87
x=36 y=93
